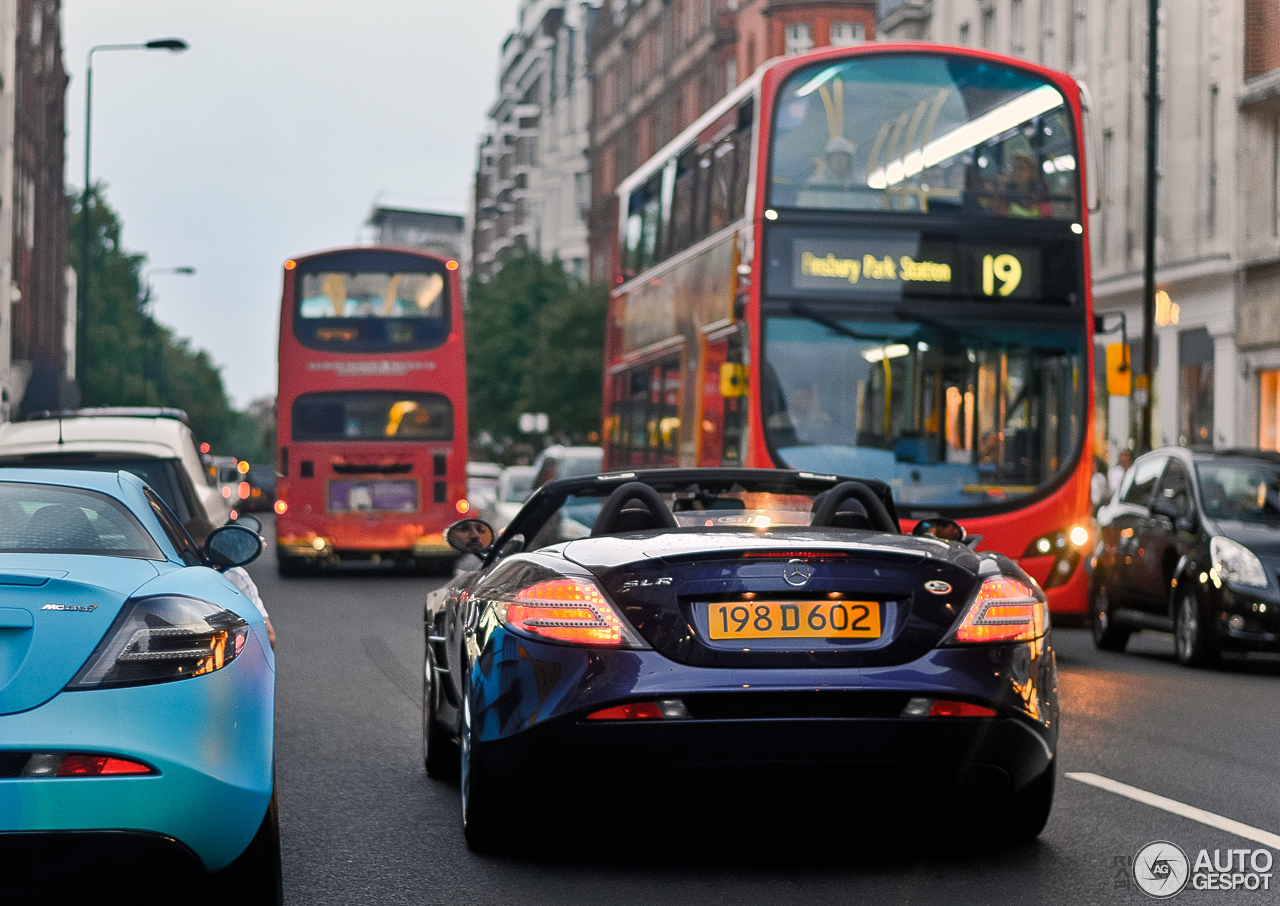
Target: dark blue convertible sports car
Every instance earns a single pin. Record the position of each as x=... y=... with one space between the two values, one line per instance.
x=737 y=632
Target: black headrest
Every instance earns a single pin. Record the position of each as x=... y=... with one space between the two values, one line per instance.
x=621 y=512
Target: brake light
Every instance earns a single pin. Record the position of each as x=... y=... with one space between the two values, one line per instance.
x=959 y=709
x=99 y=766
x=1004 y=610
x=243 y=490
x=281 y=507
x=632 y=711
x=568 y=610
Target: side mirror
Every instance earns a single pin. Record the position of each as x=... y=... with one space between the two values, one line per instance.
x=233 y=545
x=470 y=536
x=250 y=522
x=940 y=527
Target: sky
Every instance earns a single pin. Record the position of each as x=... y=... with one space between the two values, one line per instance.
x=272 y=137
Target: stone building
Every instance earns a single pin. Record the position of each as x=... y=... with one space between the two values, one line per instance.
x=1218 y=212
x=532 y=182
x=410 y=228
x=657 y=65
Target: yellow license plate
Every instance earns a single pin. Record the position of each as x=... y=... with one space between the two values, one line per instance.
x=794 y=620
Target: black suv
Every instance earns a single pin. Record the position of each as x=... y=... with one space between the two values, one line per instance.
x=1190 y=543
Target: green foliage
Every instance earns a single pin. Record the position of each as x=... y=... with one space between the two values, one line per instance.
x=130 y=359
x=535 y=343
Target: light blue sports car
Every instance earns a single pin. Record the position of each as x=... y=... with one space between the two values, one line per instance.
x=137 y=690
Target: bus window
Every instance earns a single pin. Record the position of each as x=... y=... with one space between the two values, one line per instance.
x=370 y=311
x=646 y=403
x=381 y=415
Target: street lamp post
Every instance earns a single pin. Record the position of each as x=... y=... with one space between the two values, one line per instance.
x=151 y=363
x=173 y=45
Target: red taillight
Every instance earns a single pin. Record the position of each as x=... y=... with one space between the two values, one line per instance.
x=959 y=709
x=793 y=555
x=568 y=610
x=281 y=507
x=99 y=766
x=243 y=490
x=632 y=711
x=1005 y=610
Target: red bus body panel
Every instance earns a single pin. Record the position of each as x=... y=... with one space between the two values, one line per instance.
x=304 y=501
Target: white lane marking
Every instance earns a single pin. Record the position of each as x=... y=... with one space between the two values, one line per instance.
x=1257 y=835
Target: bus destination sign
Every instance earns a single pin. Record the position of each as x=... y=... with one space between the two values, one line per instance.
x=905 y=264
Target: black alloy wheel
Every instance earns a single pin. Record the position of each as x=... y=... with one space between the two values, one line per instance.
x=1107 y=636
x=482 y=823
x=1193 y=638
x=439 y=755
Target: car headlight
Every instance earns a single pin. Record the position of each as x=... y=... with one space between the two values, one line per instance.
x=1236 y=564
x=161 y=639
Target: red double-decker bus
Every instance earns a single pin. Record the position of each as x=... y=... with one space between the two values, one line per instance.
x=873 y=262
x=372 y=409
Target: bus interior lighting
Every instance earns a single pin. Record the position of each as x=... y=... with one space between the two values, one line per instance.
x=892 y=351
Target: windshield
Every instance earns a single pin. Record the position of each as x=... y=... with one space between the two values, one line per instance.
x=951 y=417
x=1248 y=491
x=356 y=415
x=924 y=133
x=366 y=308
x=50 y=520
x=519 y=485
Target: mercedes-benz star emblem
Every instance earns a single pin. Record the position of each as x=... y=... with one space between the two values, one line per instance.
x=797 y=573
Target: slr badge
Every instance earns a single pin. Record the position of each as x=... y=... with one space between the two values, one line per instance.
x=937 y=587
x=797 y=573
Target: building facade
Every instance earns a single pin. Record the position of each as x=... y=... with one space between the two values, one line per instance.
x=532 y=183
x=657 y=65
x=1217 y=347
x=409 y=228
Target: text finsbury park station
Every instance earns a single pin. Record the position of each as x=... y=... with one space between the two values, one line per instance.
x=871 y=267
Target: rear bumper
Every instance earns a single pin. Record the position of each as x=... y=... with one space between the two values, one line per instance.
x=530 y=700
x=209 y=737
x=88 y=862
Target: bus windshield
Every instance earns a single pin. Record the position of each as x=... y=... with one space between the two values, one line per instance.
x=924 y=133
x=951 y=417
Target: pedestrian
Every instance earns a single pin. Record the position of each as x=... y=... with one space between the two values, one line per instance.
x=1099 y=485
x=1116 y=475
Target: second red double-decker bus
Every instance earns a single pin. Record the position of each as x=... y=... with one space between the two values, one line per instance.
x=372 y=409
x=872 y=262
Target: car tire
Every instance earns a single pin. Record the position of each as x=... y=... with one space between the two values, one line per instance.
x=1032 y=805
x=256 y=875
x=1193 y=640
x=1107 y=636
x=482 y=822
x=439 y=754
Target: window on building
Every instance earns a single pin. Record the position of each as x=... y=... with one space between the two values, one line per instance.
x=799 y=38
x=1108 y=22
x=1047 y=48
x=1077 y=34
x=847 y=34
x=1269 y=409
x=730 y=74
x=1195 y=387
x=989 y=28
x=1211 y=208
x=965 y=40
x=1017 y=28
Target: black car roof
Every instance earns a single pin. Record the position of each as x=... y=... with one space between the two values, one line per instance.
x=773 y=480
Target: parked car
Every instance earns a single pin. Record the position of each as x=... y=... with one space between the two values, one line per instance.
x=736 y=629
x=157 y=445
x=1190 y=544
x=515 y=484
x=136 y=697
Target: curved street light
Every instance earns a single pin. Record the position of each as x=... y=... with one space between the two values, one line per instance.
x=173 y=45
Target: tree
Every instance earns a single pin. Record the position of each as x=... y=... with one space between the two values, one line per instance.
x=535 y=343
x=130 y=359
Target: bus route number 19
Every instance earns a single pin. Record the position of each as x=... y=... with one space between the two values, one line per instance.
x=1006 y=269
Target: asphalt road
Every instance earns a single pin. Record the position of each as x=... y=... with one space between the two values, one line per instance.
x=361 y=823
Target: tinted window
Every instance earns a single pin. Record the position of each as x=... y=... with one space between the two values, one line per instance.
x=1175 y=485
x=1141 y=481
x=355 y=415
x=924 y=133
x=161 y=474
x=1240 y=490
x=55 y=520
